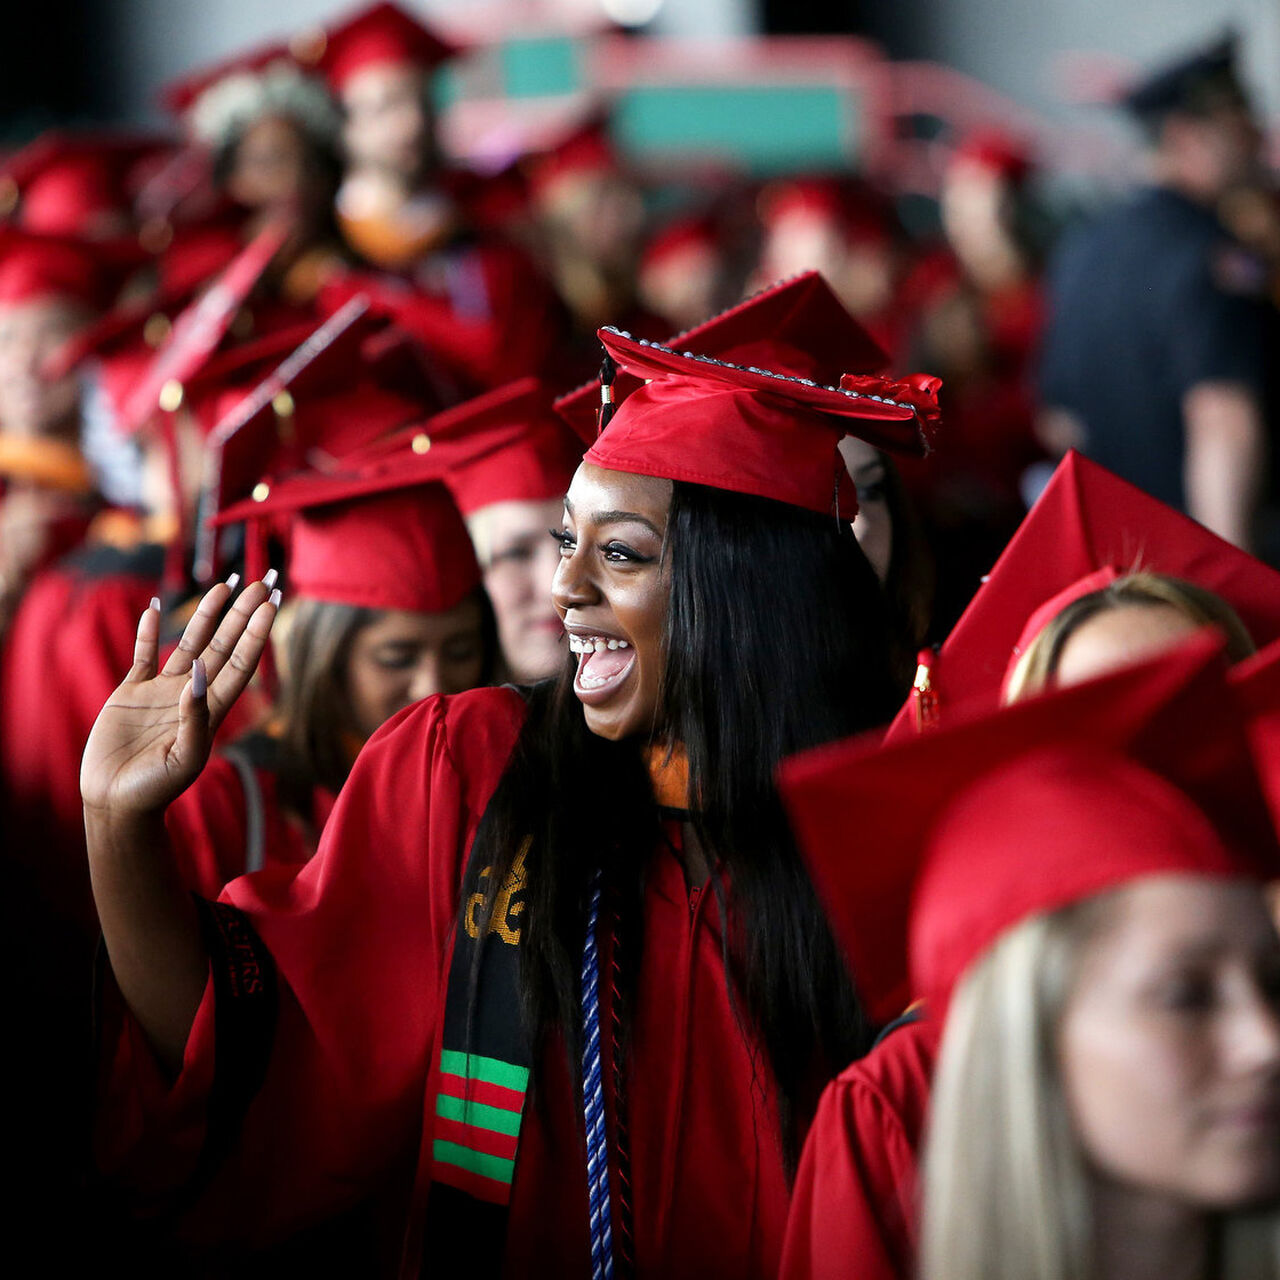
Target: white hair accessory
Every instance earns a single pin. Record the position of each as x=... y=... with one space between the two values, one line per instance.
x=227 y=108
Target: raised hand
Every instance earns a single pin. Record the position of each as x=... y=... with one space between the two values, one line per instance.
x=154 y=735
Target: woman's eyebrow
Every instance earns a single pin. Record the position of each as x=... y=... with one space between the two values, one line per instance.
x=618 y=517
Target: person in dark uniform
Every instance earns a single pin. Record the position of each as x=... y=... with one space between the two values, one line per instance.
x=1155 y=355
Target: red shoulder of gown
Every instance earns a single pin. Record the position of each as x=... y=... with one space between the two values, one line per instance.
x=853 y=1206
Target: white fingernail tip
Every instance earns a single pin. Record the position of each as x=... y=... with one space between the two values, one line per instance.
x=275 y=597
x=155 y=603
x=270 y=578
x=234 y=581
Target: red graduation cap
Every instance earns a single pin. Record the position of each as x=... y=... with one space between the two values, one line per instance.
x=1086 y=520
x=314 y=407
x=75 y=184
x=384 y=535
x=393 y=545
x=797 y=326
x=1256 y=683
x=533 y=458
x=587 y=149
x=691 y=233
x=44 y=266
x=379 y=34
x=999 y=816
x=997 y=151
x=198 y=331
x=751 y=430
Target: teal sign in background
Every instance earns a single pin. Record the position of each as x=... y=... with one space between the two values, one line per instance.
x=537 y=67
x=766 y=128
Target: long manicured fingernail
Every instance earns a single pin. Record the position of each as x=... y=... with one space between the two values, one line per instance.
x=270 y=578
x=234 y=581
x=199 y=678
x=275 y=597
x=155 y=603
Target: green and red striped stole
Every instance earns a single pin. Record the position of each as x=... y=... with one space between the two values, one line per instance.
x=478 y=1107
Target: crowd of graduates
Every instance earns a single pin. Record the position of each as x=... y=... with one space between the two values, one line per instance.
x=534 y=741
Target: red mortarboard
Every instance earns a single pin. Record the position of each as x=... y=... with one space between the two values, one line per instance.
x=588 y=148
x=749 y=430
x=72 y=184
x=860 y=213
x=400 y=547
x=1087 y=519
x=198 y=331
x=680 y=235
x=313 y=408
x=1005 y=815
x=536 y=459
x=1256 y=682
x=381 y=33
x=797 y=327
x=385 y=536
x=997 y=150
x=40 y=266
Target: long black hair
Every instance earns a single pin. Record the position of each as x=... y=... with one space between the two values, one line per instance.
x=775 y=640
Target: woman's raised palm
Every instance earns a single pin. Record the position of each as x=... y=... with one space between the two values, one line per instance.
x=154 y=734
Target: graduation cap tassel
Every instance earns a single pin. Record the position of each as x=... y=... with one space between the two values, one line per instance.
x=608 y=371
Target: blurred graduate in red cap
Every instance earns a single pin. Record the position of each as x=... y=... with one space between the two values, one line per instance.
x=1098 y=563
x=511 y=458
x=600 y=866
x=475 y=301
x=1076 y=895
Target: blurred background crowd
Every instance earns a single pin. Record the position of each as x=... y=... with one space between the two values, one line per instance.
x=646 y=165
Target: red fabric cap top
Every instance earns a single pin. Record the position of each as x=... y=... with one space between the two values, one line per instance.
x=536 y=459
x=1086 y=519
x=403 y=550
x=797 y=327
x=861 y=214
x=586 y=149
x=997 y=151
x=70 y=184
x=750 y=430
x=381 y=34
x=953 y=879
x=1256 y=683
x=679 y=236
x=41 y=266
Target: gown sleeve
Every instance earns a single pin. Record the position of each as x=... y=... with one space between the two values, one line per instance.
x=326 y=984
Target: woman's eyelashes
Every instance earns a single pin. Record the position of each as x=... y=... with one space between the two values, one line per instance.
x=614 y=551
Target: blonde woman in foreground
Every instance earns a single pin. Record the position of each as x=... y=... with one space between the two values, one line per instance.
x=1099 y=1037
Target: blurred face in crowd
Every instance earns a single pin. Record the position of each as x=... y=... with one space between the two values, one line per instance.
x=520 y=563
x=403 y=657
x=1214 y=151
x=681 y=286
x=976 y=205
x=30 y=332
x=271 y=169
x=873 y=525
x=611 y=594
x=1169 y=1044
x=1119 y=637
x=599 y=213
x=388 y=124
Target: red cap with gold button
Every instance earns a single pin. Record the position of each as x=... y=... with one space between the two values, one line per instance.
x=752 y=430
x=1005 y=815
x=536 y=459
x=381 y=35
x=1086 y=520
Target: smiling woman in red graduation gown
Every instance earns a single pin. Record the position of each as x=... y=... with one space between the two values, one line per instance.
x=629 y=890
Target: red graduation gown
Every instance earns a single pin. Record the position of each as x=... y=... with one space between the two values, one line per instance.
x=360 y=939
x=853 y=1210
x=208 y=823
x=70 y=645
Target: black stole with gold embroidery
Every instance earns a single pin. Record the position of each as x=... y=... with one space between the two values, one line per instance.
x=484 y=1063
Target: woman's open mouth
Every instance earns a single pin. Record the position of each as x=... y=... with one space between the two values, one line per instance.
x=604 y=663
